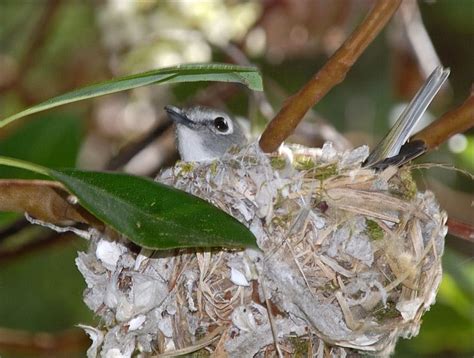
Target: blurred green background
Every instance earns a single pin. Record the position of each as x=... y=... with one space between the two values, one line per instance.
x=49 y=47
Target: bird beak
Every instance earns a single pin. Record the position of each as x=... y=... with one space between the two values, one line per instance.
x=177 y=115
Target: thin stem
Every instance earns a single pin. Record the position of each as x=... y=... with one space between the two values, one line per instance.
x=36 y=343
x=457 y=120
x=131 y=150
x=332 y=73
x=461 y=229
x=17 y=163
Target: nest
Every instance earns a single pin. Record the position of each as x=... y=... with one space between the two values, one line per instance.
x=350 y=260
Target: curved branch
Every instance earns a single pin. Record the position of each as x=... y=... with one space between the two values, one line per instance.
x=461 y=229
x=43 y=199
x=332 y=73
x=36 y=343
x=457 y=120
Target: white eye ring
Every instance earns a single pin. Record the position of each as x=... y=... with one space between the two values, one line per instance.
x=223 y=125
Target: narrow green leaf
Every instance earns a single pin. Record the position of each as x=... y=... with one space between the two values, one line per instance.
x=154 y=215
x=17 y=163
x=248 y=76
x=150 y=214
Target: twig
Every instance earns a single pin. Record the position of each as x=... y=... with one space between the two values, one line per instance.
x=461 y=230
x=36 y=343
x=332 y=73
x=441 y=166
x=132 y=149
x=43 y=199
x=455 y=121
x=316 y=129
x=200 y=344
x=271 y=321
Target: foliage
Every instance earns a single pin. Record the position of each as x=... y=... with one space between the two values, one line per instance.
x=71 y=55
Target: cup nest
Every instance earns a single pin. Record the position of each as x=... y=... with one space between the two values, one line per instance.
x=350 y=260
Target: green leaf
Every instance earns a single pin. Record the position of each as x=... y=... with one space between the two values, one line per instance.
x=17 y=163
x=248 y=76
x=150 y=214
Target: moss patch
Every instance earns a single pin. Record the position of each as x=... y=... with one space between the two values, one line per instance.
x=185 y=168
x=382 y=314
x=278 y=163
x=374 y=231
x=325 y=172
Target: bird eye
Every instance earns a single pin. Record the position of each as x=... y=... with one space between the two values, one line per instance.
x=221 y=124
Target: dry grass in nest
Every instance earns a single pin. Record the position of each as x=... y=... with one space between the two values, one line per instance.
x=350 y=261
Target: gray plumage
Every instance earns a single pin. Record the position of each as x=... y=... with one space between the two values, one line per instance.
x=205 y=133
x=389 y=150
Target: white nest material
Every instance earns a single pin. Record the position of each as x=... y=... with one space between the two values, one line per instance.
x=350 y=261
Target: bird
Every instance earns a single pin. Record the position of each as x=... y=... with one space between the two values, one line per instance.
x=205 y=133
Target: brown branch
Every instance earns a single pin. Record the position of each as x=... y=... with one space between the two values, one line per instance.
x=461 y=230
x=332 y=73
x=35 y=343
x=455 y=121
x=45 y=200
x=315 y=130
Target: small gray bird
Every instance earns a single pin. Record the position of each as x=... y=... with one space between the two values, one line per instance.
x=205 y=133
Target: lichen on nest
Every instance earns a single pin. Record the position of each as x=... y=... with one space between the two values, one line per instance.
x=349 y=261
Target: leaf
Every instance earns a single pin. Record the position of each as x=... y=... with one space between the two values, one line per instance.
x=248 y=76
x=154 y=215
x=150 y=214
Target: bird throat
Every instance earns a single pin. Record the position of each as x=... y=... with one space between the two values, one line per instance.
x=191 y=145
